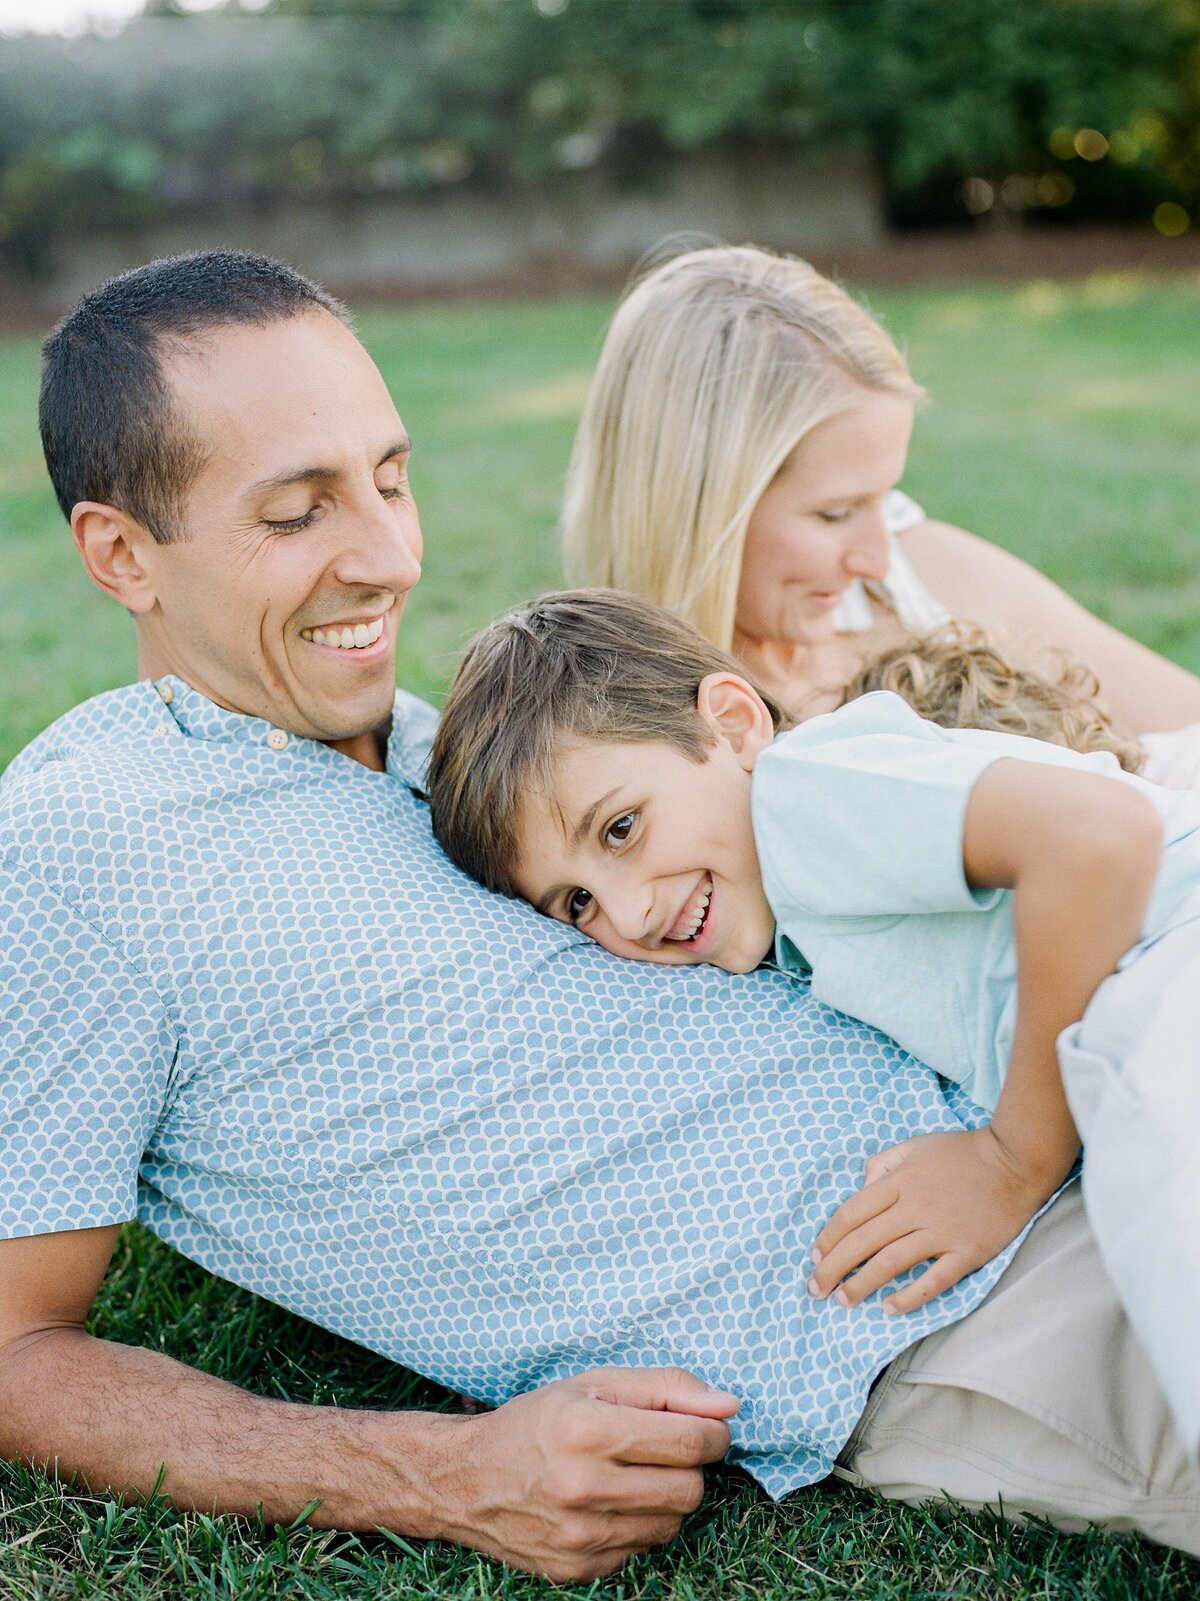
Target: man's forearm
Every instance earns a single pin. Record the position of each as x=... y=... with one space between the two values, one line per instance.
x=119 y=1417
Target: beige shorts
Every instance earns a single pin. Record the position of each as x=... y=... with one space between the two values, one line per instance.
x=1041 y=1400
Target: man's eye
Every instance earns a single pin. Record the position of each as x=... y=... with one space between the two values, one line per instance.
x=578 y=902
x=619 y=830
x=291 y=525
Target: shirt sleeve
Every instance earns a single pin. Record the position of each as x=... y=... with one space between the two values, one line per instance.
x=86 y=1052
x=861 y=812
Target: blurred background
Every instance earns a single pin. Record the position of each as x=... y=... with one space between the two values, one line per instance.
x=420 y=146
x=1014 y=185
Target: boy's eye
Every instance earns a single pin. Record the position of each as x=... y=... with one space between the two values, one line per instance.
x=619 y=830
x=834 y=515
x=578 y=902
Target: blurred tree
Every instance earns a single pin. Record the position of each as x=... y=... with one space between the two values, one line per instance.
x=1089 y=106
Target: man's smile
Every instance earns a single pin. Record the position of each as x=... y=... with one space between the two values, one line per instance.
x=357 y=637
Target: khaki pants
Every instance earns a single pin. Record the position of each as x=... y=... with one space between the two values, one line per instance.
x=1041 y=1400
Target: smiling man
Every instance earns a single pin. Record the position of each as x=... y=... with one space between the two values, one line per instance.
x=245 y=998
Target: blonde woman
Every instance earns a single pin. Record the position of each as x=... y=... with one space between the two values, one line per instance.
x=737 y=462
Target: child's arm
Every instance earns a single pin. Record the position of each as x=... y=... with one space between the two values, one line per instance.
x=1080 y=853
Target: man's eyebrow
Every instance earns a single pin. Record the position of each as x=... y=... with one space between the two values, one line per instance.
x=304 y=475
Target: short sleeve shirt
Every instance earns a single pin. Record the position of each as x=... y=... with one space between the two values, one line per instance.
x=858 y=820
x=245 y=998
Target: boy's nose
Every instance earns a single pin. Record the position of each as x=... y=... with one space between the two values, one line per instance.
x=629 y=909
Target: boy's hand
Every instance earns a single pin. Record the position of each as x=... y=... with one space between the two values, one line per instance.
x=959 y=1198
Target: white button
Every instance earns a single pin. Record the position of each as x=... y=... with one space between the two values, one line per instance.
x=165 y=693
x=162 y=728
x=277 y=739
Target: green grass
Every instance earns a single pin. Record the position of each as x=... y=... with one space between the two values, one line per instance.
x=1064 y=424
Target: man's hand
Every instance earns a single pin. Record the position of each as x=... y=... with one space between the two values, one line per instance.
x=959 y=1198
x=568 y=1480
x=573 y=1478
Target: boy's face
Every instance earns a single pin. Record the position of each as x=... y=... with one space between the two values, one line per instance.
x=650 y=853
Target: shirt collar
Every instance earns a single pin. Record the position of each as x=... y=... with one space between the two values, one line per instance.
x=200 y=718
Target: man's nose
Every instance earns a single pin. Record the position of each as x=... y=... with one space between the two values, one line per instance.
x=869 y=553
x=381 y=545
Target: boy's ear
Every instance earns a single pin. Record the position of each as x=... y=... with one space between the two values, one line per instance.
x=115 y=548
x=737 y=714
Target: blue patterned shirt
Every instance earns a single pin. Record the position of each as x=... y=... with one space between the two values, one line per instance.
x=245 y=998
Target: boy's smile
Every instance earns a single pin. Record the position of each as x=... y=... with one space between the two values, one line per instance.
x=650 y=852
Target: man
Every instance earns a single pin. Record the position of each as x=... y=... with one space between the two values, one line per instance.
x=246 y=999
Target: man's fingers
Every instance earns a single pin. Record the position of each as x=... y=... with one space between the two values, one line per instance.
x=668 y=1440
x=883 y=1267
x=644 y=1492
x=594 y=1548
x=944 y=1273
x=855 y=1249
x=658 y=1390
x=862 y=1206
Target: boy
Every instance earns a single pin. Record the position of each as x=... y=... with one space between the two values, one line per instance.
x=965 y=891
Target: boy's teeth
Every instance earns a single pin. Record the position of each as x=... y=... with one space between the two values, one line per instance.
x=690 y=929
x=356 y=638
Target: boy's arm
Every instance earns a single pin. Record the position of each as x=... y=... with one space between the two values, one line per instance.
x=568 y=1480
x=1080 y=853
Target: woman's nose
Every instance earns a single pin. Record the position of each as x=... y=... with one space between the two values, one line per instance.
x=869 y=553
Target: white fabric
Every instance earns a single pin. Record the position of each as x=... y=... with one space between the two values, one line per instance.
x=1173 y=758
x=1131 y=1069
x=858 y=820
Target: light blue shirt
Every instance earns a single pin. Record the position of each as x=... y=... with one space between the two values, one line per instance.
x=244 y=997
x=858 y=820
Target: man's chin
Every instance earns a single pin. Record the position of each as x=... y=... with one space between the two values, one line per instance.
x=336 y=722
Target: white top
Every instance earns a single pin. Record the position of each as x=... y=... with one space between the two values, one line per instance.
x=901 y=589
x=858 y=821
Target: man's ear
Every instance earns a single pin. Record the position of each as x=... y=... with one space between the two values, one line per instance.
x=117 y=551
x=737 y=714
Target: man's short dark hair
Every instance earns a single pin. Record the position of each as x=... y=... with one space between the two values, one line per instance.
x=111 y=430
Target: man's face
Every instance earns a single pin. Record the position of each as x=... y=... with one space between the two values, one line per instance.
x=300 y=540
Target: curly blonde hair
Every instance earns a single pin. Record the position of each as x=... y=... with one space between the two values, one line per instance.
x=957 y=677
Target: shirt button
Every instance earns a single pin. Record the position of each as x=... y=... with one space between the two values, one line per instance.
x=162 y=728
x=165 y=693
x=277 y=739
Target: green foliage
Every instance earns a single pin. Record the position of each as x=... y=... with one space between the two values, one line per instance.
x=339 y=97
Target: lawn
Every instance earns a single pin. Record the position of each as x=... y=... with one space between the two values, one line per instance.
x=1063 y=424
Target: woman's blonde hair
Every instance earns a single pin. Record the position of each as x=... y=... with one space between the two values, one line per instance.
x=716 y=365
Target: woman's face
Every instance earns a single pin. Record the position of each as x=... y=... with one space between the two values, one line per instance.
x=820 y=525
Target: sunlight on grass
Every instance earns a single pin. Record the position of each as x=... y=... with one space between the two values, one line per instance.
x=554 y=397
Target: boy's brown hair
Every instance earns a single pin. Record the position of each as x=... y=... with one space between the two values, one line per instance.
x=604 y=665
x=586 y=664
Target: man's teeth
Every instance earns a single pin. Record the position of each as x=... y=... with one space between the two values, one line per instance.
x=696 y=917
x=356 y=638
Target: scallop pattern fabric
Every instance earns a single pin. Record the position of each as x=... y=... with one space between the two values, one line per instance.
x=245 y=998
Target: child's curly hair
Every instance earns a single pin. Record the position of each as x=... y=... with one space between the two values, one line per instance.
x=956 y=677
